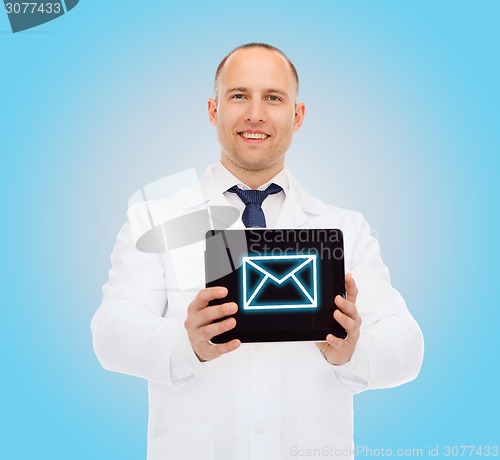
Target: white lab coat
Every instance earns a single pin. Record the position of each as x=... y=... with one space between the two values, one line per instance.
x=262 y=401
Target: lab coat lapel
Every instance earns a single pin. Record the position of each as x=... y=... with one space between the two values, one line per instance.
x=213 y=197
x=298 y=207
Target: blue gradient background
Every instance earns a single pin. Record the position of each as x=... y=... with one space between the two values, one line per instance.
x=402 y=125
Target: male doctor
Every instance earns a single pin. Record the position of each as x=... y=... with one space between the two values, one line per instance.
x=236 y=401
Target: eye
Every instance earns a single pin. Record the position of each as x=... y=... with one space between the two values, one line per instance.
x=237 y=96
x=274 y=98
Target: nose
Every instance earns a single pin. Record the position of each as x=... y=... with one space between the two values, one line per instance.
x=256 y=112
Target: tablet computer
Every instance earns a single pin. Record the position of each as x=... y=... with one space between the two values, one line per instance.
x=283 y=280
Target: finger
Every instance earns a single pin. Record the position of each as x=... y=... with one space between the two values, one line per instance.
x=215 y=350
x=210 y=314
x=208 y=332
x=340 y=350
x=350 y=288
x=206 y=295
x=347 y=307
x=336 y=343
x=323 y=346
x=350 y=325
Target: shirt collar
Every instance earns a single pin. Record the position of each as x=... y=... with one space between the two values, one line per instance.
x=224 y=180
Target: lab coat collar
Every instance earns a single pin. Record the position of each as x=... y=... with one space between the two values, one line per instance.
x=297 y=208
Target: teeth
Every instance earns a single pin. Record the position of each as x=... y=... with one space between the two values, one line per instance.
x=254 y=135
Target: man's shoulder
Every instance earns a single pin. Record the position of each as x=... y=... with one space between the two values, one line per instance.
x=341 y=216
x=148 y=211
x=166 y=205
x=315 y=206
x=169 y=195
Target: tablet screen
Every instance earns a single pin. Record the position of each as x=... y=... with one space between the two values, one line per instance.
x=283 y=280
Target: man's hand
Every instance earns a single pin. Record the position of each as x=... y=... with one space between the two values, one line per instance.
x=199 y=323
x=339 y=351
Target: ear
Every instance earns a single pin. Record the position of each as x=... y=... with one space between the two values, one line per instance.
x=300 y=111
x=212 y=111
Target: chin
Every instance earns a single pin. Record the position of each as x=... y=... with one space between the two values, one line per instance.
x=258 y=166
x=254 y=161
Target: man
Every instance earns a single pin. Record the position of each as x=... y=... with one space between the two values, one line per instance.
x=252 y=401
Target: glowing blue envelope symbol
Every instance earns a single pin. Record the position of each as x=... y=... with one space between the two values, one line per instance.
x=279 y=282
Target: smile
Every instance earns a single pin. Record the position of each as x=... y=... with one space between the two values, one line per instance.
x=248 y=135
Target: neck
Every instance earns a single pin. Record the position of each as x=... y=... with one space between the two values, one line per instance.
x=253 y=178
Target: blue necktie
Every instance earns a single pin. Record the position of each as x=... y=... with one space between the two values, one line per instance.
x=253 y=216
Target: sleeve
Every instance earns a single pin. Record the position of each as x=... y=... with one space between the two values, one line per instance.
x=390 y=349
x=129 y=331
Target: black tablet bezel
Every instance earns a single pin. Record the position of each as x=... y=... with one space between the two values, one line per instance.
x=278 y=325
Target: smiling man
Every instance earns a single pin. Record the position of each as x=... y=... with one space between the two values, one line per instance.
x=250 y=401
x=255 y=112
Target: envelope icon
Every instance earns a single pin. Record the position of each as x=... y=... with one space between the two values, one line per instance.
x=279 y=282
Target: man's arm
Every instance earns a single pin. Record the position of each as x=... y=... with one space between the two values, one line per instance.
x=385 y=345
x=129 y=330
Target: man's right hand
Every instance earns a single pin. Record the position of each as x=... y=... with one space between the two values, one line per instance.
x=201 y=328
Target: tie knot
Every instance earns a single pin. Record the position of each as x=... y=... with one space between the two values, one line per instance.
x=255 y=196
x=253 y=215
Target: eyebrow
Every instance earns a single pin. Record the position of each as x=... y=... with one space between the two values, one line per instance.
x=277 y=91
x=237 y=90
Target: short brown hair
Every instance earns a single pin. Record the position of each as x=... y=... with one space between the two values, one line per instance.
x=255 y=45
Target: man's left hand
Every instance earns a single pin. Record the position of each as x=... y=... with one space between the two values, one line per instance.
x=339 y=351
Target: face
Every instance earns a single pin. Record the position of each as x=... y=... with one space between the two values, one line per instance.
x=255 y=112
